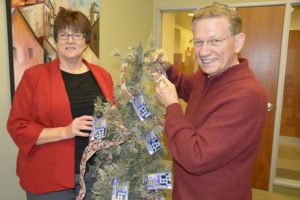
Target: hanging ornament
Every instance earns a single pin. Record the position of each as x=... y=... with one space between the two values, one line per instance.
x=158 y=181
x=98 y=129
x=140 y=107
x=120 y=190
x=152 y=142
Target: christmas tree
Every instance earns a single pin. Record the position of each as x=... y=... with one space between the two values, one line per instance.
x=128 y=138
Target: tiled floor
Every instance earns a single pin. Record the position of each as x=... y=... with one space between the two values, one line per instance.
x=261 y=195
x=265 y=195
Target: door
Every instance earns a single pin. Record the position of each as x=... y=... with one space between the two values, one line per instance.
x=263 y=27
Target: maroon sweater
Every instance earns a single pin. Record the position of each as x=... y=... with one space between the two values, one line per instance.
x=215 y=143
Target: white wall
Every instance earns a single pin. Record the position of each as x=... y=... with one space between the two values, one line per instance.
x=9 y=189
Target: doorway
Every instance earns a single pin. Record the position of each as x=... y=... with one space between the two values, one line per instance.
x=288 y=161
x=177 y=40
x=176 y=53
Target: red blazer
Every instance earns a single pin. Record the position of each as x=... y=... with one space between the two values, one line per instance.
x=41 y=101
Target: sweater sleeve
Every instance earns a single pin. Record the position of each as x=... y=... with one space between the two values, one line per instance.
x=182 y=82
x=21 y=125
x=234 y=127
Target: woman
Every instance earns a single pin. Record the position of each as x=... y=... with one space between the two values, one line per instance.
x=51 y=115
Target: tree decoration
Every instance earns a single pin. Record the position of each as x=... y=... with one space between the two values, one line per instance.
x=128 y=160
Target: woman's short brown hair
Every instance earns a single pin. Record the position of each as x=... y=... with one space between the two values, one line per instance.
x=73 y=20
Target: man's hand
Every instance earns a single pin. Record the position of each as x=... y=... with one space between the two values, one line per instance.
x=160 y=56
x=166 y=92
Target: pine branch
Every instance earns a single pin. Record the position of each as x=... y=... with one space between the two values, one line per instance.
x=131 y=160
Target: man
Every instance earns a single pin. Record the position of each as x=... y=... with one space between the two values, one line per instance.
x=215 y=143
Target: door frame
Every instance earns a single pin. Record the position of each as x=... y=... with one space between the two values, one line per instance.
x=282 y=68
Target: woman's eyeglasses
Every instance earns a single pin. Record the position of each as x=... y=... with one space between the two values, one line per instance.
x=75 y=36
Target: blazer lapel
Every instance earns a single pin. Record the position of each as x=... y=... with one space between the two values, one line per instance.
x=62 y=116
x=103 y=82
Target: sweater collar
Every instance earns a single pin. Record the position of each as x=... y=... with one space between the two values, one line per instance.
x=239 y=71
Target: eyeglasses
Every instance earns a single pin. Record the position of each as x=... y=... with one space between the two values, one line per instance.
x=75 y=36
x=211 y=42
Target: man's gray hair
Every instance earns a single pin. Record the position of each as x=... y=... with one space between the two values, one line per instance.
x=220 y=10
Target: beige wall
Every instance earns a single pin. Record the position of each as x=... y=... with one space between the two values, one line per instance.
x=122 y=24
x=8 y=180
x=168 y=34
x=295 y=19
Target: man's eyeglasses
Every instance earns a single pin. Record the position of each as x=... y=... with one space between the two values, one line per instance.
x=75 y=36
x=211 y=42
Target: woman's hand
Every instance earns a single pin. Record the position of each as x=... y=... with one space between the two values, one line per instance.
x=77 y=126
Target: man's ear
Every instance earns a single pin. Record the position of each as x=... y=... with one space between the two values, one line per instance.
x=239 y=41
